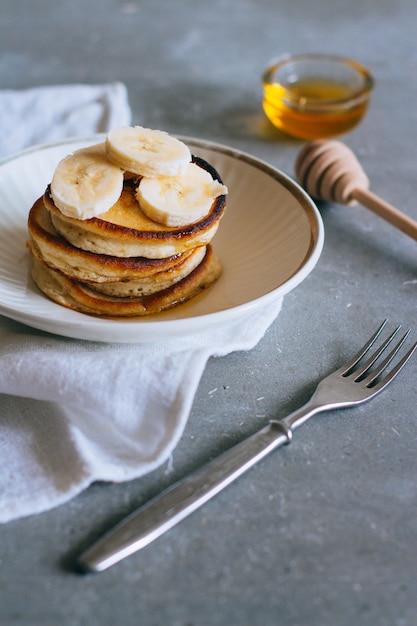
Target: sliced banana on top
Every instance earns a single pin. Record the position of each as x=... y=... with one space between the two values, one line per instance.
x=85 y=184
x=147 y=152
x=179 y=200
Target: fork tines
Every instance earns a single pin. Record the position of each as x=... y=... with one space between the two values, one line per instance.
x=372 y=380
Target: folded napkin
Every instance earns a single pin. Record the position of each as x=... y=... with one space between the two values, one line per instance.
x=73 y=412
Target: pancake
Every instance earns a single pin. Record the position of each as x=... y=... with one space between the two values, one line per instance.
x=125 y=230
x=156 y=282
x=79 y=296
x=122 y=263
x=143 y=275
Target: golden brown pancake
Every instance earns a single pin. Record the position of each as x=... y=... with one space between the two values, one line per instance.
x=156 y=282
x=125 y=231
x=79 y=296
x=122 y=263
x=131 y=274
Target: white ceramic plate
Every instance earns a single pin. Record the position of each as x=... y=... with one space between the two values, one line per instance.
x=269 y=240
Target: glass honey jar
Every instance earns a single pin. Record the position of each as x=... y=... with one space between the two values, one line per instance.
x=312 y=96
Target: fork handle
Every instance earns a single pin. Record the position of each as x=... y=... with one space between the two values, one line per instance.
x=183 y=498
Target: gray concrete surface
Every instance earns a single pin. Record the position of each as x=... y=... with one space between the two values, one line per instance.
x=324 y=532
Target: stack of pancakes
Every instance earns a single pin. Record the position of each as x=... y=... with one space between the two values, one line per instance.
x=122 y=263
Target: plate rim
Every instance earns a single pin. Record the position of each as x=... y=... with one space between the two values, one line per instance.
x=163 y=328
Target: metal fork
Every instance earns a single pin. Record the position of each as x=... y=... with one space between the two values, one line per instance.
x=350 y=385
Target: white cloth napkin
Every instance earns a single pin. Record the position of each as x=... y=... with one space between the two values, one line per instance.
x=30 y=117
x=73 y=412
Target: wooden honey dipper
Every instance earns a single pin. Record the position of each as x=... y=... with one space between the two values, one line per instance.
x=328 y=170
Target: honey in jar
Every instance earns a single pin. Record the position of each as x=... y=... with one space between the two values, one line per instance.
x=305 y=102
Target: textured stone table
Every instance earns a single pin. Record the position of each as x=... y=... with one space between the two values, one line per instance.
x=323 y=532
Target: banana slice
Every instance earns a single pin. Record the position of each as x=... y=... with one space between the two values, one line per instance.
x=85 y=184
x=147 y=152
x=179 y=200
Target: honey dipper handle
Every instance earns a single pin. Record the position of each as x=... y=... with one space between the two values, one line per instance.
x=386 y=211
